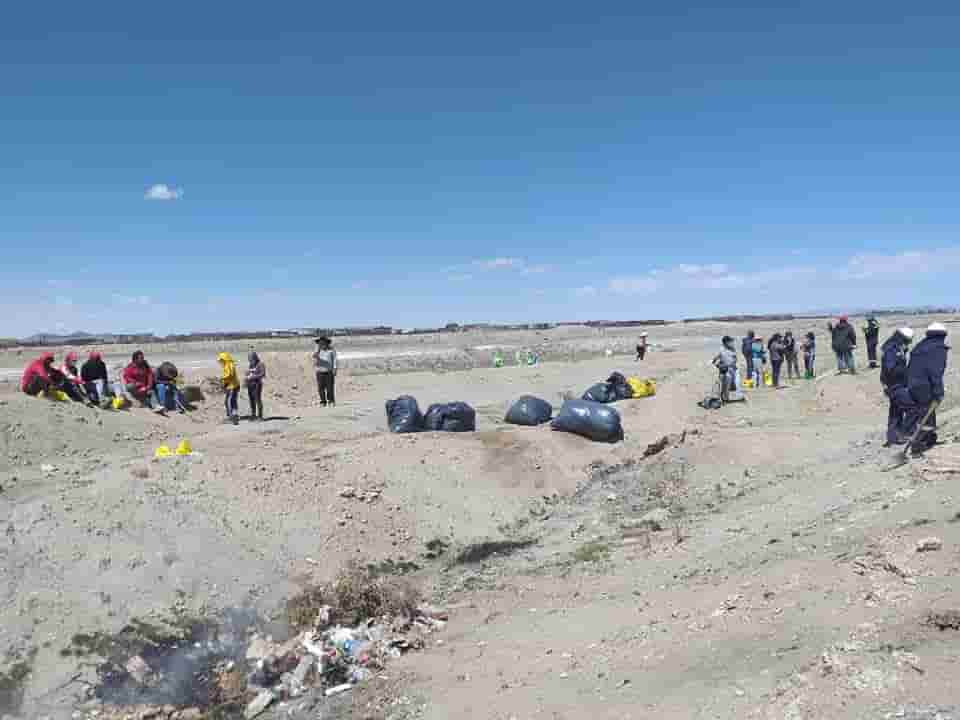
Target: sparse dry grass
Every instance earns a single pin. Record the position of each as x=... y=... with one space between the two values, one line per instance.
x=355 y=595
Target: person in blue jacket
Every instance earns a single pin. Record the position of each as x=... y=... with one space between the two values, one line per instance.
x=928 y=363
x=893 y=375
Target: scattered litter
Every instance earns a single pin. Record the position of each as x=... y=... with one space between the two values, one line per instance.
x=259 y=704
x=943 y=619
x=162 y=452
x=929 y=544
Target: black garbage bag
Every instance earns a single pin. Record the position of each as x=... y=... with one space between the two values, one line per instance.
x=621 y=388
x=589 y=419
x=450 y=417
x=529 y=410
x=403 y=415
x=601 y=393
x=616 y=379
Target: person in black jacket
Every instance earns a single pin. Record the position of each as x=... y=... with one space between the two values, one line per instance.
x=776 y=348
x=790 y=354
x=746 y=347
x=893 y=375
x=871 y=333
x=928 y=363
x=844 y=340
x=96 y=381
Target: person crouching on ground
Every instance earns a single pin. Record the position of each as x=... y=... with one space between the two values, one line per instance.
x=37 y=376
x=73 y=384
x=809 y=348
x=167 y=390
x=96 y=380
x=140 y=381
x=256 y=372
x=726 y=364
x=893 y=376
x=325 y=365
x=231 y=386
x=928 y=363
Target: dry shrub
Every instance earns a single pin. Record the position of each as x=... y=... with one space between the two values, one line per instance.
x=355 y=595
x=140 y=472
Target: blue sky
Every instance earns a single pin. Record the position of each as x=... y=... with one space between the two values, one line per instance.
x=178 y=166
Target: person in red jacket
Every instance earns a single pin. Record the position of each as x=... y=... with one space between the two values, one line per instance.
x=41 y=376
x=38 y=376
x=140 y=381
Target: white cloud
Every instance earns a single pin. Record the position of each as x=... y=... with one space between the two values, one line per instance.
x=130 y=299
x=538 y=269
x=868 y=265
x=161 y=191
x=499 y=263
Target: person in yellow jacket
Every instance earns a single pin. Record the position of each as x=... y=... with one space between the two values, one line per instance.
x=231 y=386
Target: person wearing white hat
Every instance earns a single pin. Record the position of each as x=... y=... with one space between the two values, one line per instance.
x=928 y=363
x=642 y=347
x=893 y=375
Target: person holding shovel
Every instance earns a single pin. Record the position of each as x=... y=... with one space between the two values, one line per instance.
x=893 y=375
x=924 y=389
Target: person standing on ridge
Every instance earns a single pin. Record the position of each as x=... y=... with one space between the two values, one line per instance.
x=256 y=372
x=809 y=348
x=928 y=363
x=325 y=366
x=231 y=386
x=790 y=353
x=642 y=347
x=871 y=334
x=776 y=349
x=893 y=376
x=844 y=340
x=746 y=347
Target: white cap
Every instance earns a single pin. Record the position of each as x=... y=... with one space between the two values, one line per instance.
x=643 y=334
x=937 y=329
x=906 y=332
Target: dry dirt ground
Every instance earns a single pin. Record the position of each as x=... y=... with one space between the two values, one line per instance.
x=782 y=578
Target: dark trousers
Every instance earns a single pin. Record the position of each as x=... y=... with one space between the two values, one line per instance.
x=255 y=393
x=808 y=361
x=872 y=354
x=230 y=402
x=749 y=359
x=37 y=385
x=793 y=367
x=894 y=419
x=325 y=388
x=913 y=413
x=777 y=364
x=641 y=352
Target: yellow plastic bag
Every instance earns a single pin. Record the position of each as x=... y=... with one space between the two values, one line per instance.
x=120 y=403
x=184 y=448
x=642 y=388
x=162 y=452
x=60 y=395
x=749 y=383
x=767 y=378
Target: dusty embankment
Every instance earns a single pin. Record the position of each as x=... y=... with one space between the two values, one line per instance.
x=787 y=527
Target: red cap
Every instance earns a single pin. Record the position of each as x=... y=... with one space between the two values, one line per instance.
x=71 y=357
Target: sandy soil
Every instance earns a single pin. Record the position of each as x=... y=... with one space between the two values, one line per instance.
x=795 y=590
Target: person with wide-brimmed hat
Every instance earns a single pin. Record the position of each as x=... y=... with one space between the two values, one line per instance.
x=325 y=367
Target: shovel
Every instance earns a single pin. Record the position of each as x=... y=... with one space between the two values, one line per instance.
x=903 y=457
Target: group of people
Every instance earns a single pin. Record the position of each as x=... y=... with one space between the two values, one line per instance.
x=913 y=383
x=911 y=380
x=779 y=349
x=158 y=389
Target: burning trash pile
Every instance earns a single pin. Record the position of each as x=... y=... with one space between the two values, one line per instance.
x=343 y=635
